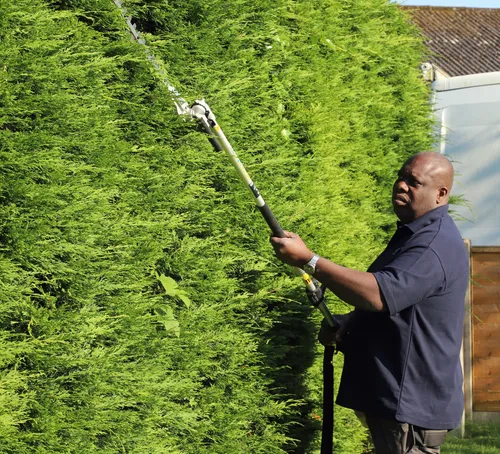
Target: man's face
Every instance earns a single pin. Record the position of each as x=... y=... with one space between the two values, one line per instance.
x=415 y=191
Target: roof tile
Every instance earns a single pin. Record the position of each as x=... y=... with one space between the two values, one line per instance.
x=463 y=40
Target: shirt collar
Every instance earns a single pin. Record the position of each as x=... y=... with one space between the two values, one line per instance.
x=426 y=219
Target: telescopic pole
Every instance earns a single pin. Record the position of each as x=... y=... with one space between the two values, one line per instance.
x=202 y=112
x=205 y=117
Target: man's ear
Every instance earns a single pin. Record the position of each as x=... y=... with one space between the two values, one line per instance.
x=442 y=193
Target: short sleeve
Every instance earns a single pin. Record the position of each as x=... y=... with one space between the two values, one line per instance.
x=412 y=276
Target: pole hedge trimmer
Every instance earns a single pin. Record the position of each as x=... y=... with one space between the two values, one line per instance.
x=201 y=112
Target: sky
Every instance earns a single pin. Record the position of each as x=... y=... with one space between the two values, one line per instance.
x=468 y=3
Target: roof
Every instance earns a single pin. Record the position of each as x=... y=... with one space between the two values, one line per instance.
x=465 y=40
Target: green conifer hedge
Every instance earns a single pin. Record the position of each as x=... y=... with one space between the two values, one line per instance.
x=142 y=310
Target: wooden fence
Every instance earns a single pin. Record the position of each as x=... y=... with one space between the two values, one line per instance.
x=481 y=352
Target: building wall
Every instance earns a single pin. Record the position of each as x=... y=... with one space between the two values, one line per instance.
x=468 y=113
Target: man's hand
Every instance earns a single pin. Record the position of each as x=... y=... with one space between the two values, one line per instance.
x=329 y=335
x=291 y=250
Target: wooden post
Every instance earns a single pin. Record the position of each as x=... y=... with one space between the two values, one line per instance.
x=466 y=353
x=467 y=346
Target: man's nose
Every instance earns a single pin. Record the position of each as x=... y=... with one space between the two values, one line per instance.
x=401 y=186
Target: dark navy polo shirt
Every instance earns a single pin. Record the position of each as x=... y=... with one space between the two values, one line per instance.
x=404 y=364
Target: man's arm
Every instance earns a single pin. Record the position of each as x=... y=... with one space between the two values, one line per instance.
x=357 y=288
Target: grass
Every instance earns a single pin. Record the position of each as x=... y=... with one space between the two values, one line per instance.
x=479 y=439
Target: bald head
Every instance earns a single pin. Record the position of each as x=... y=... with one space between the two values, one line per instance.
x=424 y=183
x=437 y=166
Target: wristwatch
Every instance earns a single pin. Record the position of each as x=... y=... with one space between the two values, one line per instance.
x=310 y=266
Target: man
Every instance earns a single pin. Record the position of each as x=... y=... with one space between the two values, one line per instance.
x=402 y=341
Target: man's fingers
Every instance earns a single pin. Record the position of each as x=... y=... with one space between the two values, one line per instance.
x=327 y=334
x=277 y=239
x=291 y=249
x=277 y=243
x=340 y=332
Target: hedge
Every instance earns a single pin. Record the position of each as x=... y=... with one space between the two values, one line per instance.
x=142 y=309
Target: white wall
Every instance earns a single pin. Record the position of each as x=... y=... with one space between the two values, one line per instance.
x=468 y=108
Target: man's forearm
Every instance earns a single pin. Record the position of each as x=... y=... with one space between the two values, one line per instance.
x=357 y=288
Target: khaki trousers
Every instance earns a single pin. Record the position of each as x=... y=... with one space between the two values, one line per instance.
x=393 y=437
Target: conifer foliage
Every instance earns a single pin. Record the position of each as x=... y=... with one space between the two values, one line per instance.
x=142 y=310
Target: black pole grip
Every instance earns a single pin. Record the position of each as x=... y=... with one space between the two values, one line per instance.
x=272 y=222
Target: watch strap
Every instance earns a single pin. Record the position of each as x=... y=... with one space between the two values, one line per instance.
x=310 y=266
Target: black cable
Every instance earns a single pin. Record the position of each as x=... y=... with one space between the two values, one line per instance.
x=328 y=403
